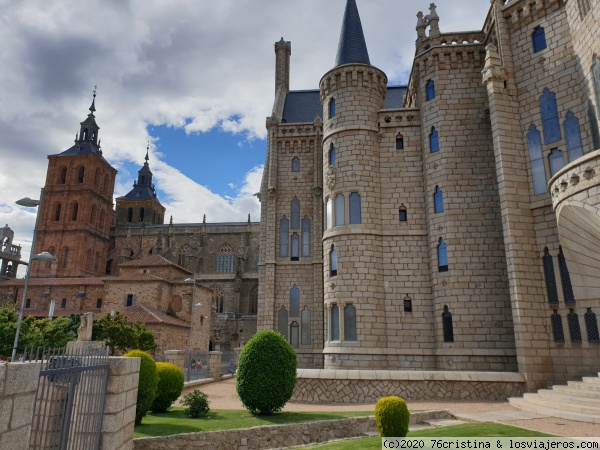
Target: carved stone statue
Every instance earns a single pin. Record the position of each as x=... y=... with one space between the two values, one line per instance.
x=84 y=332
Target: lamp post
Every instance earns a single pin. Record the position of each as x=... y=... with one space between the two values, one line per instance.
x=192 y=305
x=44 y=256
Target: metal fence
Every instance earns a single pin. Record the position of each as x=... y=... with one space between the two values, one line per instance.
x=228 y=362
x=69 y=403
x=196 y=366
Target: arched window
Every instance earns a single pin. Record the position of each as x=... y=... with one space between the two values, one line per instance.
x=218 y=298
x=399 y=142
x=94 y=215
x=434 y=143
x=442 y=252
x=294 y=301
x=253 y=304
x=282 y=320
x=328 y=214
x=142 y=214
x=574 y=328
x=97 y=176
x=430 y=90
x=550 y=278
x=295 y=247
x=88 y=260
x=335 y=323
x=557 y=327
x=332 y=108
x=225 y=260
x=593 y=123
x=591 y=326
x=294 y=334
x=62 y=176
x=340 y=210
x=81 y=174
x=102 y=222
x=284 y=230
x=407 y=304
x=182 y=256
x=565 y=278
x=402 y=214
x=85 y=134
x=74 y=211
x=438 y=200
x=355 y=209
x=556 y=161
x=332 y=156
x=296 y=164
x=539 y=39
x=536 y=160
x=447 y=326
x=305 y=326
x=129 y=214
x=65 y=259
x=333 y=263
x=349 y=323
x=573 y=137
x=295 y=215
x=550 y=121
x=57 y=212
x=306 y=225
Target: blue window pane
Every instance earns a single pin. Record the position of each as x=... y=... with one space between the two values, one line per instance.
x=593 y=122
x=284 y=229
x=556 y=160
x=305 y=326
x=332 y=158
x=438 y=200
x=306 y=236
x=296 y=164
x=349 y=323
x=295 y=247
x=430 y=90
x=294 y=301
x=340 y=210
x=434 y=144
x=539 y=39
x=573 y=137
x=550 y=121
x=402 y=215
x=335 y=323
x=399 y=142
x=332 y=108
x=442 y=257
x=295 y=213
x=333 y=261
x=355 y=209
x=536 y=158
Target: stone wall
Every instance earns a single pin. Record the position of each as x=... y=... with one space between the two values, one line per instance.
x=18 y=385
x=363 y=386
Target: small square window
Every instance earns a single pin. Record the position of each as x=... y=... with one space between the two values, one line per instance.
x=99 y=303
x=407 y=305
x=403 y=215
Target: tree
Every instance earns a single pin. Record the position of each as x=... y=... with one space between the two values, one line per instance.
x=122 y=335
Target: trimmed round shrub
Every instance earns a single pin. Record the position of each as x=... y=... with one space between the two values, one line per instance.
x=392 y=416
x=170 y=386
x=147 y=384
x=196 y=403
x=266 y=374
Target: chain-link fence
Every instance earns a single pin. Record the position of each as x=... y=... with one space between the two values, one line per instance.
x=196 y=366
x=228 y=362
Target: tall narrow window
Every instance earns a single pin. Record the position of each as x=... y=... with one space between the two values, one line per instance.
x=403 y=214
x=573 y=137
x=284 y=233
x=218 y=298
x=442 y=252
x=556 y=161
x=329 y=214
x=99 y=303
x=74 y=211
x=355 y=209
x=399 y=142
x=97 y=176
x=539 y=39
x=282 y=320
x=593 y=123
x=332 y=156
x=102 y=221
x=550 y=121
x=296 y=164
x=574 y=328
x=142 y=214
x=295 y=213
x=94 y=215
x=596 y=79
x=256 y=260
x=129 y=300
x=536 y=159
x=550 y=278
x=294 y=334
x=305 y=326
x=63 y=303
x=565 y=278
x=332 y=108
x=557 y=327
x=335 y=323
x=434 y=143
x=591 y=326
x=340 y=210
x=129 y=214
x=253 y=304
x=349 y=323
x=438 y=200
x=57 y=212
x=225 y=260
x=584 y=8
x=66 y=257
x=295 y=247
x=333 y=265
x=306 y=236
x=62 y=179
x=81 y=175
x=430 y=90
x=447 y=326
x=294 y=301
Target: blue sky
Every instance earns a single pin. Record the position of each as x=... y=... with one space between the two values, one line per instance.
x=195 y=77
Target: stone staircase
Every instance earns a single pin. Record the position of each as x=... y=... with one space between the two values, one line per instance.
x=579 y=400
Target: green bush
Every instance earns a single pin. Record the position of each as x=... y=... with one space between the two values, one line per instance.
x=147 y=384
x=196 y=403
x=392 y=416
x=170 y=385
x=266 y=374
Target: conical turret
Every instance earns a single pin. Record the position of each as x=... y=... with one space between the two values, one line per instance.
x=352 y=47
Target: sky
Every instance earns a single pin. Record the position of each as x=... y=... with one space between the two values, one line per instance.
x=193 y=79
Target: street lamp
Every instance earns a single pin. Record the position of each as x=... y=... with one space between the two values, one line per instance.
x=193 y=304
x=44 y=256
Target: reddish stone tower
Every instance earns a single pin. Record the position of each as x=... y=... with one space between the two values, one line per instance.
x=76 y=212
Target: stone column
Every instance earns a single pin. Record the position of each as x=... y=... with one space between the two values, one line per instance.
x=176 y=357
x=214 y=365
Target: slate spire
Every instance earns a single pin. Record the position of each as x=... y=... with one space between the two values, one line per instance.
x=352 y=47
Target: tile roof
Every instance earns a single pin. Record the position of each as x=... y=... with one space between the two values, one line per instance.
x=147 y=314
x=55 y=282
x=302 y=107
x=140 y=192
x=57 y=312
x=352 y=47
x=394 y=98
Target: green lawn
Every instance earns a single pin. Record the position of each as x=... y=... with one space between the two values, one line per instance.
x=466 y=430
x=175 y=422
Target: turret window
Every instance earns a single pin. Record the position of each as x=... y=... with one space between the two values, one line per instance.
x=350 y=323
x=328 y=214
x=332 y=108
x=442 y=252
x=403 y=214
x=332 y=156
x=434 y=143
x=438 y=200
x=536 y=160
x=550 y=122
x=539 y=39
x=447 y=325
x=295 y=247
x=335 y=323
x=573 y=137
x=333 y=262
x=430 y=90
x=399 y=142
x=355 y=209
x=296 y=164
x=340 y=211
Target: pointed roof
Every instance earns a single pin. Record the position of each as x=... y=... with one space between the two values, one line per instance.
x=352 y=47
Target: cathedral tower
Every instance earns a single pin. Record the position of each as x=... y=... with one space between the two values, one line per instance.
x=76 y=211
